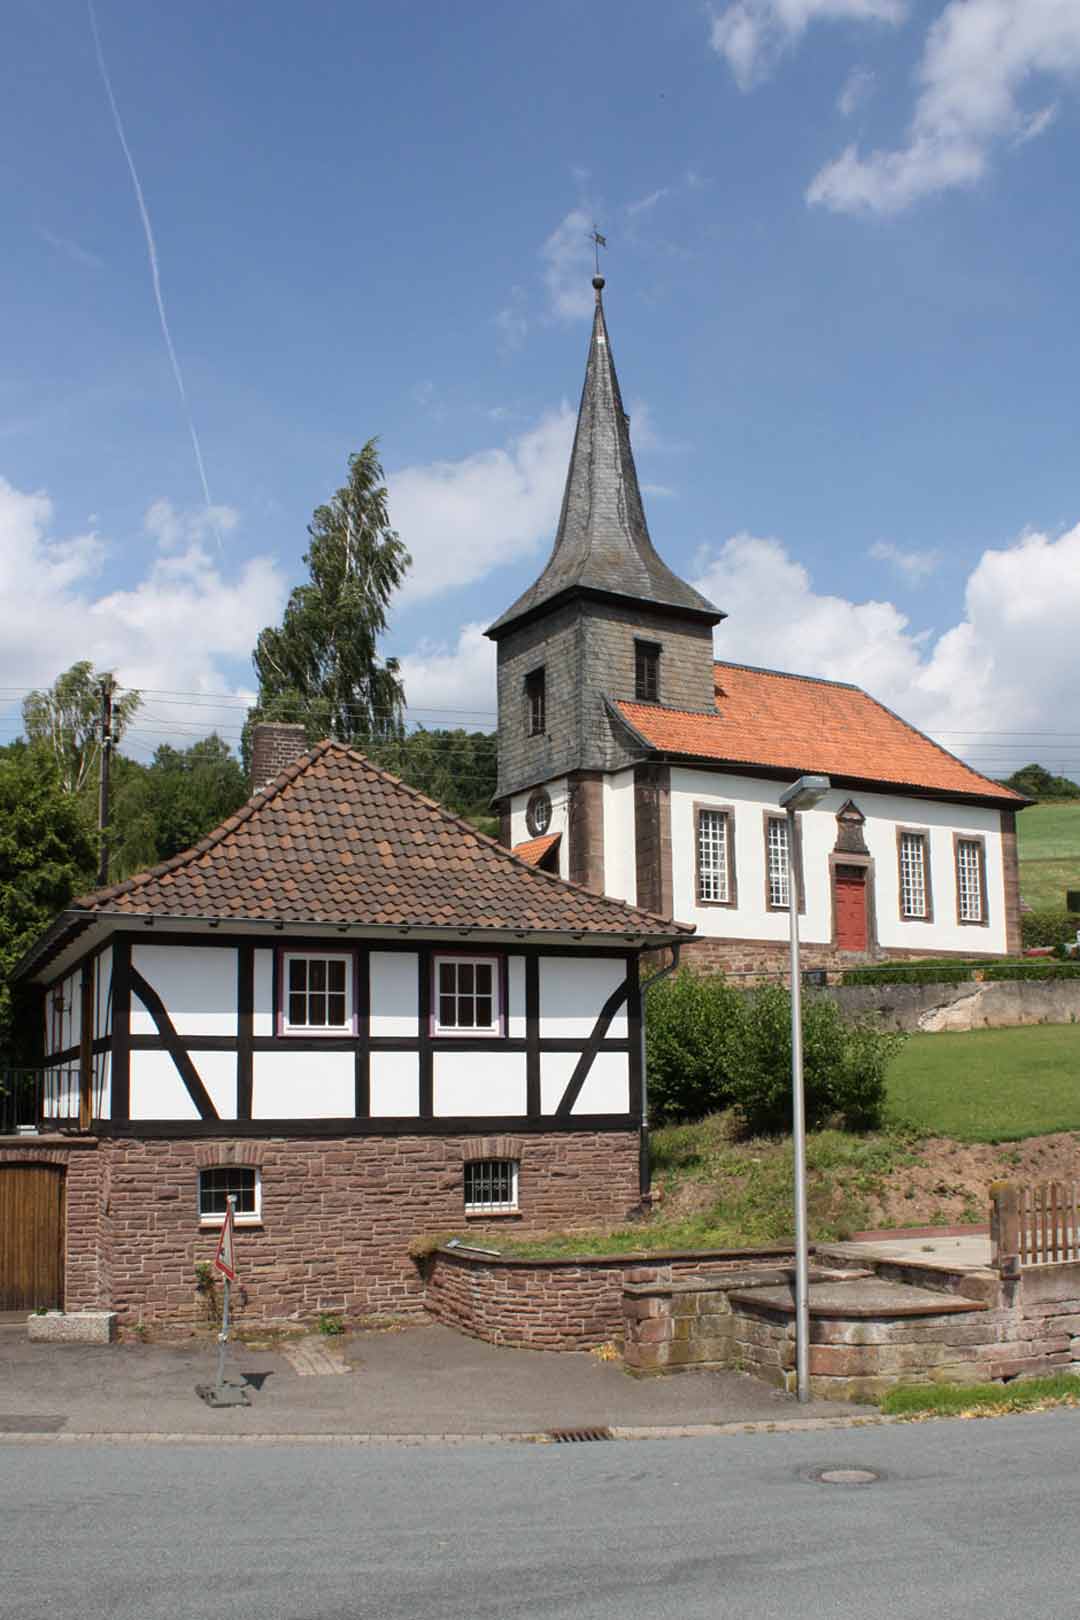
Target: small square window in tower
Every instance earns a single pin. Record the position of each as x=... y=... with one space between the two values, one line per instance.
x=535 y=703
x=647 y=671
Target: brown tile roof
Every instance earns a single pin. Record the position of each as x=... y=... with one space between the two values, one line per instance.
x=335 y=840
x=533 y=850
x=799 y=723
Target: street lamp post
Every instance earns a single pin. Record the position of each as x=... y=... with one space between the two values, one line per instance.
x=801 y=795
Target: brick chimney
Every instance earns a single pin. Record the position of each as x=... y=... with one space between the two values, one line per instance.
x=273 y=746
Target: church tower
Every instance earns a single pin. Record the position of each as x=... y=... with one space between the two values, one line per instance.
x=606 y=620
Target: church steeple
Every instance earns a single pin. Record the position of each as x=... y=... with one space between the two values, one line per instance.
x=602 y=545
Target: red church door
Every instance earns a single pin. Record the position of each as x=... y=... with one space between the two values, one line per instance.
x=850 y=908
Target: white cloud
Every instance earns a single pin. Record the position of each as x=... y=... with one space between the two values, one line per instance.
x=912 y=565
x=173 y=630
x=858 y=88
x=1008 y=666
x=512 y=324
x=568 y=267
x=461 y=519
x=645 y=205
x=979 y=58
x=73 y=250
x=452 y=684
x=751 y=34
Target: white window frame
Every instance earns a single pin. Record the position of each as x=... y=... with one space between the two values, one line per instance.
x=720 y=841
x=492 y=1206
x=467 y=1032
x=334 y=1031
x=915 y=875
x=249 y=1217
x=777 y=870
x=970 y=879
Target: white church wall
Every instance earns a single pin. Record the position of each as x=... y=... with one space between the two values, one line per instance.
x=558 y=792
x=620 y=844
x=750 y=798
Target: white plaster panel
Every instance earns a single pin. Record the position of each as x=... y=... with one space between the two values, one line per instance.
x=303 y=1085
x=395 y=992
x=103 y=993
x=555 y=1071
x=217 y=1070
x=157 y=1091
x=620 y=845
x=558 y=792
x=265 y=1012
x=63 y=1007
x=475 y=1083
x=395 y=1085
x=196 y=984
x=102 y=1101
x=607 y=1085
x=885 y=812
x=72 y=1009
x=515 y=997
x=573 y=990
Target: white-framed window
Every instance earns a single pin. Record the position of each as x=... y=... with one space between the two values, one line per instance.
x=317 y=993
x=216 y=1185
x=467 y=996
x=914 y=883
x=714 y=872
x=491 y=1186
x=970 y=896
x=776 y=863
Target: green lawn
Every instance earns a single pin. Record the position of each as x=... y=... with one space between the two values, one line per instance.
x=990 y=1085
x=1048 y=838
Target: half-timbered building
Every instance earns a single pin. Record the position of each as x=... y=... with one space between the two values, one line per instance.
x=353 y=1012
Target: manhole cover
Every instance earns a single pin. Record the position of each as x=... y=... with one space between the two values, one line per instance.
x=844 y=1475
x=30 y=1423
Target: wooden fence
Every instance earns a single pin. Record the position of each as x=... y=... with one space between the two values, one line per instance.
x=1034 y=1226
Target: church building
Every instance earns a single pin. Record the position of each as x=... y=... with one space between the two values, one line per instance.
x=633 y=762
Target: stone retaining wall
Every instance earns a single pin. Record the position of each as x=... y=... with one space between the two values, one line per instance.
x=933 y=1008
x=571 y=1304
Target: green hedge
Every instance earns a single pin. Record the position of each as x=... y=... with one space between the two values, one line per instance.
x=1032 y=970
x=1054 y=928
x=921 y=973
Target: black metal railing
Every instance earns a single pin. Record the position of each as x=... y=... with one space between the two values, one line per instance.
x=41 y=1098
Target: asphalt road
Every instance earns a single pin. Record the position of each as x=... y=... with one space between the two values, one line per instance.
x=969 y=1519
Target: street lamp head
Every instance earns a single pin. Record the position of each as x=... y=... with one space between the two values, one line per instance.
x=805 y=793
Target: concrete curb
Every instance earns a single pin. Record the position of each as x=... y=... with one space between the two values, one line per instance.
x=684 y=1431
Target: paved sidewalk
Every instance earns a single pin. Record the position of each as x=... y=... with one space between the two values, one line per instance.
x=424 y=1380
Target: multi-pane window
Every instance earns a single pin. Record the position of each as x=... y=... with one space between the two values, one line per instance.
x=776 y=863
x=317 y=993
x=970 y=900
x=491 y=1185
x=216 y=1186
x=646 y=671
x=714 y=856
x=466 y=994
x=536 y=703
x=914 y=888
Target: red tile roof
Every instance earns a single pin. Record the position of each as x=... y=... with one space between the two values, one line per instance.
x=798 y=723
x=533 y=850
x=334 y=840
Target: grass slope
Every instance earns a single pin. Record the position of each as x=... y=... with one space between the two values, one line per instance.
x=989 y=1085
x=1048 y=840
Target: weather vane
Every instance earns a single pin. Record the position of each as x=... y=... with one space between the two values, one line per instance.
x=598 y=242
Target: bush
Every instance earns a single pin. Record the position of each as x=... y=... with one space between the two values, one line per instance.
x=844 y=1064
x=1055 y=928
x=687 y=1019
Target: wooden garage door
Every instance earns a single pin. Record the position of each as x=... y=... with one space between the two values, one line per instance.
x=31 y=1236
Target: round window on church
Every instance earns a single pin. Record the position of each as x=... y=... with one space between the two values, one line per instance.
x=538 y=813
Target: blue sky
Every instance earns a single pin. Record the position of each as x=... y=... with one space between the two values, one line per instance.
x=841 y=287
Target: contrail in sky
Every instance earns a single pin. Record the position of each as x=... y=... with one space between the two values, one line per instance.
x=151 y=249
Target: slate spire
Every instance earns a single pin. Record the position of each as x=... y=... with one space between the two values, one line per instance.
x=602 y=545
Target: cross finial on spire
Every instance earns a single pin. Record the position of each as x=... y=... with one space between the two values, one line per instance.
x=598 y=242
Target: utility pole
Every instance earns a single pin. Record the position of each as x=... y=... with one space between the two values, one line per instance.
x=105 y=758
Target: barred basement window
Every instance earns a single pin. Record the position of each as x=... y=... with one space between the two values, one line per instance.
x=491 y=1186
x=914 y=885
x=970 y=887
x=776 y=853
x=215 y=1186
x=714 y=857
x=318 y=994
